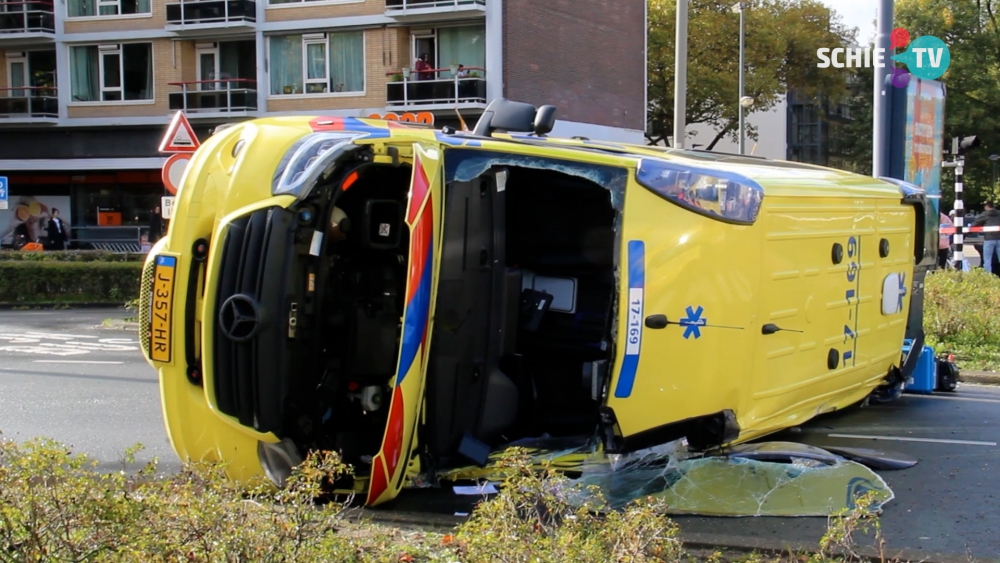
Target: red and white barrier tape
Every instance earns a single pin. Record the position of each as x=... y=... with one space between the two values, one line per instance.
x=953 y=230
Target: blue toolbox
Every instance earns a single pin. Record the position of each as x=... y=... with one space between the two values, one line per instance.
x=924 y=377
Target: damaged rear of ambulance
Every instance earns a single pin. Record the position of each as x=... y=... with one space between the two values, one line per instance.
x=499 y=285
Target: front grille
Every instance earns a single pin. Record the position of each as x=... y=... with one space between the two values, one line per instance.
x=145 y=305
x=249 y=368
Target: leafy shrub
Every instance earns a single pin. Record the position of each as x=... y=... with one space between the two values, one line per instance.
x=71 y=256
x=30 y=281
x=960 y=316
x=533 y=520
x=56 y=506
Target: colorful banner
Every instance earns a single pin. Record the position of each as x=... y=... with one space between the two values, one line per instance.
x=924 y=140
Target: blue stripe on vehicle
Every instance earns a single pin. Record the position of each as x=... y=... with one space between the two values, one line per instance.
x=634 y=323
x=168 y=261
x=415 y=324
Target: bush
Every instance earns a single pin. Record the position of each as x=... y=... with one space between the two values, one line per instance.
x=36 y=281
x=71 y=256
x=960 y=317
x=55 y=506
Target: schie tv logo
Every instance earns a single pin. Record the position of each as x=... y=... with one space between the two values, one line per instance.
x=927 y=57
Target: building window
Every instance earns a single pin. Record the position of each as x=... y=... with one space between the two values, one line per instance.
x=90 y=8
x=112 y=73
x=464 y=45
x=317 y=63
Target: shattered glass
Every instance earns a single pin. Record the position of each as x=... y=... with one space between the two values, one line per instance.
x=784 y=480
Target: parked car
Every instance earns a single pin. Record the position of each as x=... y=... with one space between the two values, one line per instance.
x=415 y=298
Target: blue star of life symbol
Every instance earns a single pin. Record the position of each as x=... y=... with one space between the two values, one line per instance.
x=693 y=322
x=902 y=290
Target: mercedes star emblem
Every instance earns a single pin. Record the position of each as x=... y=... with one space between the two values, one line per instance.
x=239 y=318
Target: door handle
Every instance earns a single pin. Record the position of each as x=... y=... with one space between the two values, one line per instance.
x=656 y=321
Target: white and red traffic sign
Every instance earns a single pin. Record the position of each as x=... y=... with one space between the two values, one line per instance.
x=180 y=137
x=173 y=171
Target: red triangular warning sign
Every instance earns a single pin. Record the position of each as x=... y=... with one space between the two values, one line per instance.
x=180 y=136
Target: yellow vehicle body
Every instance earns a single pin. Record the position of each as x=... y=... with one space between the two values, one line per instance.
x=723 y=324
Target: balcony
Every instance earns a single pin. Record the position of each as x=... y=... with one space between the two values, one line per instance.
x=26 y=22
x=214 y=98
x=28 y=104
x=418 y=10
x=211 y=15
x=405 y=91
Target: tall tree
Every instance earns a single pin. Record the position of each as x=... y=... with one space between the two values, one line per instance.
x=782 y=37
x=972 y=107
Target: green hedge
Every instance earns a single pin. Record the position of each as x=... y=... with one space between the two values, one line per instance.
x=960 y=317
x=70 y=256
x=34 y=281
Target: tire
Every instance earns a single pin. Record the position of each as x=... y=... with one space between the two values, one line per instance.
x=947 y=376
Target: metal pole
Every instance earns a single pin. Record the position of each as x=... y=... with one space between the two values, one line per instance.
x=881 y=111
x=743 y=137
x=959 y=239
x=680 y=74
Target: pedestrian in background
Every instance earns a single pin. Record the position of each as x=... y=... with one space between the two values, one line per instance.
x=944 y=241
x=991 y=240
x=57 y=231
x=155 y=225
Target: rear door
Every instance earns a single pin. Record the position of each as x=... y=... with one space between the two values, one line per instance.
x=423 y=217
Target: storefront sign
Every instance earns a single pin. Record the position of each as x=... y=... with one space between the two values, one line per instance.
x=3 y=192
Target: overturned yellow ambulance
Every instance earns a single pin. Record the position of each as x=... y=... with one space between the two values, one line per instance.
x=416 y=298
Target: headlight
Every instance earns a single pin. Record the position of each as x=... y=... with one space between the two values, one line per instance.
x=306 y=160
x=278 y=460
x=718 y=194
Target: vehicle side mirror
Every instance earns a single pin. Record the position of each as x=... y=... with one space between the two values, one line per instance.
x=545 y=120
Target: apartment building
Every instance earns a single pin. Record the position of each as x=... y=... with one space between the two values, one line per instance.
x=88 y=86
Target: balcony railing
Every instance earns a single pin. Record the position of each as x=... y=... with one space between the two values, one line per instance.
x=394 y=5
x=211 y=11
x=215 y=96
x=30 y=16
x=425 y=88
x=28 y=102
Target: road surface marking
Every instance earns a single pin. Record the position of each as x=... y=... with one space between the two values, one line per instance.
x=59 y=344
x=75 y=362
x=904 y=439
x=969 y=399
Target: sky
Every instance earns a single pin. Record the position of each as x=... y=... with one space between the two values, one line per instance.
x=857 y=13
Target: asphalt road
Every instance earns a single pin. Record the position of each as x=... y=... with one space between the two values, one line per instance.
x=947 y=503
x=64 y=376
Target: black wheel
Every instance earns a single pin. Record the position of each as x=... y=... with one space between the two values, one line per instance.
x=947 y=376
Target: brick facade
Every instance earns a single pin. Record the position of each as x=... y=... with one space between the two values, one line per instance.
x=305 y=11
x=586 y=57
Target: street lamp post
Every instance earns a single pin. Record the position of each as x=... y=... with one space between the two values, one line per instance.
x=680 y=76
x=741 y=7
x=993 y=185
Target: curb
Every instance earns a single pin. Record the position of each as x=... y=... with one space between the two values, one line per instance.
x=34 y=306
x=980 y=377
